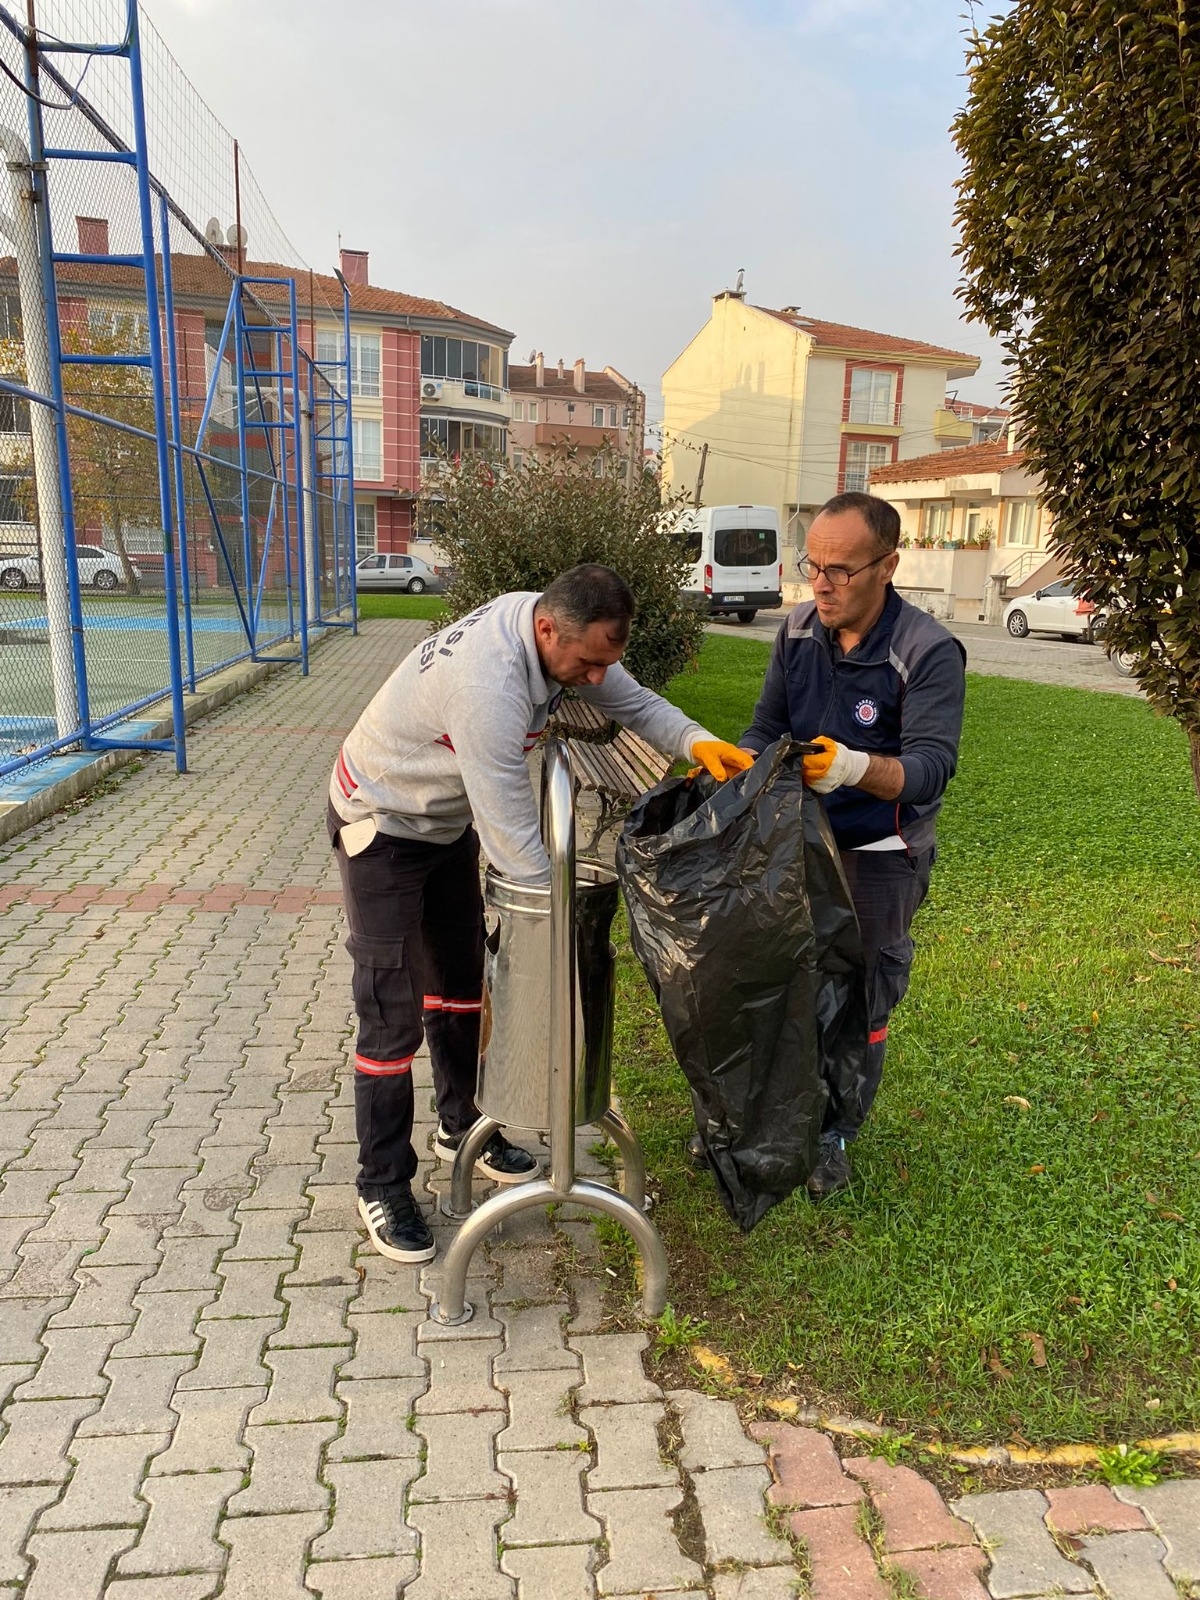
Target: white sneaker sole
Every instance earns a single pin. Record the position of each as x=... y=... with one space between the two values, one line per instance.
x=407 y=1257
x=445 y=1153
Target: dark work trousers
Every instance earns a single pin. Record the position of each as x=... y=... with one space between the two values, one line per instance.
x=887 y=887
x=416 y=934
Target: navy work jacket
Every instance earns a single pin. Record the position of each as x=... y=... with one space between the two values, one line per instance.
x=899 y=693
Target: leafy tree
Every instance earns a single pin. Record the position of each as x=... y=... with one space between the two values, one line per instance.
x=1079 y=212
x=505 y=530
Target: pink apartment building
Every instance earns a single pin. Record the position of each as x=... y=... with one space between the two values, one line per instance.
x=592 y=412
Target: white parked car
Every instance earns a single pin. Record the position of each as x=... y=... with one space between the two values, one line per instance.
x=97 y=568
x=1058 y=608
x=381 y=570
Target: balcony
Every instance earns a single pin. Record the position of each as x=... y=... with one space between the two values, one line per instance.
x=575 y=433
x=462 y=394
x=949 y=429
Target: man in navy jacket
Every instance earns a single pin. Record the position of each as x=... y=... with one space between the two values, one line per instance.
x=879 y=685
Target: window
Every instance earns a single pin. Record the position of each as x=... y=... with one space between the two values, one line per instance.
x=15 y=499
x=482 y=368
x=745 y=547
x=937 y=521
x=871 y=395
x=1022 y=523
x=400 y=563
x=612 y=416
x=365 y=350
x=861 y=456
x=368 y=449
x=446 y=436
x=10 y=317
x=626 y=417
x=971 y=522
x=597 y=466
x=518 y=411
x=518 y=461
x=14 y=414
x=364 y=527
x=373 y=563
x=533 y=411
x=597 y=416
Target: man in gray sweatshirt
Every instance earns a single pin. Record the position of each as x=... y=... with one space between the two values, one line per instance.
x=435 y=765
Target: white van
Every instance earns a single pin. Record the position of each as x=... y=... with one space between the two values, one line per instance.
x=737 y=563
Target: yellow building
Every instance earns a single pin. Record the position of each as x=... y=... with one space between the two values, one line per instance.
x=794 y=410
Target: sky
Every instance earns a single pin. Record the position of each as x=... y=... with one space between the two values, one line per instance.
x=588 y=173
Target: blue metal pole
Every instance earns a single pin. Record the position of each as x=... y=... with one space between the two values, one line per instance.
x=239 y=334
x=54 y=345
x=297 y=457
x=154 y=321
x=177 y=436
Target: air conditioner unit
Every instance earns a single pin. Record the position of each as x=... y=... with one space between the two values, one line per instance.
x=430 y=390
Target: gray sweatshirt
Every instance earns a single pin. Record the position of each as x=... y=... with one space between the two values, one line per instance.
x=445 y=740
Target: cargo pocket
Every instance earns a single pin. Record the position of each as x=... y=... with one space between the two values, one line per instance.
x=890 y=983
x=382 y=986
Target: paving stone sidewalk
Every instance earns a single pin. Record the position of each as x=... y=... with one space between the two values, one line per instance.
x=211 y=1386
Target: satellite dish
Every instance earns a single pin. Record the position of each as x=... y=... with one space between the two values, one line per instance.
x=532 y=357
x=214 y=234
x=235 y=236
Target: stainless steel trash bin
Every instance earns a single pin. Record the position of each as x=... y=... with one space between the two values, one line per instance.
x=514 y=1039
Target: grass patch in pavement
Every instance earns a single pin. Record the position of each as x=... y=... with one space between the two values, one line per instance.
x=1020 y=1253
x=420 y=606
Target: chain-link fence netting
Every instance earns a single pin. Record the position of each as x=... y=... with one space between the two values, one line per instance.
x=200 y=453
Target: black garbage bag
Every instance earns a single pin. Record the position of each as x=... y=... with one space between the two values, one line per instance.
x=740 y=915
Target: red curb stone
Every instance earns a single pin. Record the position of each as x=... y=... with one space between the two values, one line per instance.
x=1091 y=1505
x=945 y=1574
x=806 y=1467
x=843 y=1567
x=914 y=1514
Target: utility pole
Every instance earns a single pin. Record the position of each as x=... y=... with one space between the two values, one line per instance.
x=700 y=476
x=634 y=440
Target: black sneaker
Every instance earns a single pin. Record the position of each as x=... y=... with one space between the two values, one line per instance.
x=499 y=1160
x=397 y=1228
x=832 y=1171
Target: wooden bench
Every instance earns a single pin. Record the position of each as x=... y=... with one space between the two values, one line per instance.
x=608 y=761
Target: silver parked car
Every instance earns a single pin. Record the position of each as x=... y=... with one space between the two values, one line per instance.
x=97 y=568
x=388 y=570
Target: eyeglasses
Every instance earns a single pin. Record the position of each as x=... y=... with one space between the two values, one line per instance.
x=838 y=576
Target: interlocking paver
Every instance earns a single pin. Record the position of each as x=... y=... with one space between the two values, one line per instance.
x=208 y=1435
x=166 y=1324
x=128 y=1241
x=1174 y=1512
x=612 y=1369
x=914 y=1514
x=325 y=1259
x=266 y=1556
x=20 y=1505
x=301 y=1386
x=842 y=1565
x=34 y=1449
x=627 y=1447
x=460 y=1377
x=184 y=1264
x=557 y=1572
x=956 y=1574
x=377 y=1410
x=1025 y=1559
x=534 y=1341
x=181 y=1586
x=230 y=1354
x=283 y=1472
x=458 y=1551
x=643 y=1553
x=1091 y=1507
x=103 y=1491
x=45 y=1269
x=732 y=1508
x=460 y=1461
x=21 y=1327
x=712 y=1433
x=369 y=1515
x=139 y=1396
x=539 y=1412
x=73 y=1364
x=1129 y=1566
x=74 y=1564
x=180 y=1532
x=806 y=1467
x=316 y=1314
x=249 y=1289
x=759 y=1583
x=548 y=1490
x=377 y=1578
x=105 y=1296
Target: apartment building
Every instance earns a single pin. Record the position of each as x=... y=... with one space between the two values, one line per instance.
x=599 y=415
x=778 y=407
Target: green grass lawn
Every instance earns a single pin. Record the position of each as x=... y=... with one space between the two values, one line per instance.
x=1028 y=1186
x=401 y=605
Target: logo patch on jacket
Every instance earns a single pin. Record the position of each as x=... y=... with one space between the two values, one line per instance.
x=866 y=712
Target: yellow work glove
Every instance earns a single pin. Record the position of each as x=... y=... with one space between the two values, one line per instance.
x=720 y=759
x=833 y=766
